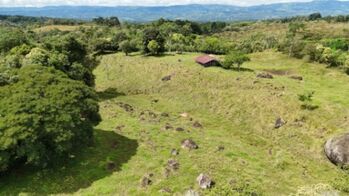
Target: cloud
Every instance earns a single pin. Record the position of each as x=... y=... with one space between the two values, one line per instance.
x=37 y=3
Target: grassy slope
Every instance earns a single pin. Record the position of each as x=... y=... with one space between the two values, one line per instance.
x=237 y=111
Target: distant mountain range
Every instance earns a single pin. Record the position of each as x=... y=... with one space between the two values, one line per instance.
x=191 y=12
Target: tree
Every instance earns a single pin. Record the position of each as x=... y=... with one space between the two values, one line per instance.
x=118 y=38
x=235 y=59
x=315 y=16
x=10 y=38
x=126 y=46
x=67 y=54
x=153 y=47
x=212 y=45
x=37 y=56
x=68 y=45
x=44 y=116
x=151 y=34
x=113 y=21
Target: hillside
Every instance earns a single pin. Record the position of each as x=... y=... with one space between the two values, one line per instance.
x=238 y=144
x=189 y=12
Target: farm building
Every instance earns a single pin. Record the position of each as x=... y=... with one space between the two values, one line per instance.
x=207 y=60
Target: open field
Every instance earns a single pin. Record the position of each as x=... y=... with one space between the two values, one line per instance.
x=238 y=144
x=49 y=28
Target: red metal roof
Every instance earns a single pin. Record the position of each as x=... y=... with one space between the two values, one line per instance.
x=205 y=59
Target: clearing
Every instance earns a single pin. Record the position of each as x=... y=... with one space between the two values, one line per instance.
x=238 y=144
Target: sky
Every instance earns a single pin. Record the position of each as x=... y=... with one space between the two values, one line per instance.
x=39 y=3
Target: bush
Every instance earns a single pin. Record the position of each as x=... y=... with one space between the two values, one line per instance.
x=257 y=43
x=44 y=115
x=153 y=47
x=10 y=38
x=151 y=35
x=212 y=45
x=128 y=46
x=307 y=101
x=36 y=56
x=337 y=44
x=235 y=59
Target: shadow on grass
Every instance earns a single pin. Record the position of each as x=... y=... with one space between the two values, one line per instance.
x=162 y=55
x=109 y=93
x=109 y=152
x=242 y=69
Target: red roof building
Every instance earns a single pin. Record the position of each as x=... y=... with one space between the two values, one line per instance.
x=207 y=60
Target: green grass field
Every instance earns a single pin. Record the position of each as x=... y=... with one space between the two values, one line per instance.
x=237 y=111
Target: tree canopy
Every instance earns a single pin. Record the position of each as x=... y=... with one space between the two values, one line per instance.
x=46 y=115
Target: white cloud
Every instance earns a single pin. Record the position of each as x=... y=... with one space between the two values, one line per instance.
x=37 y=3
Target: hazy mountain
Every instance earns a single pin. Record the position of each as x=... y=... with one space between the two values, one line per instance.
x=190 y=12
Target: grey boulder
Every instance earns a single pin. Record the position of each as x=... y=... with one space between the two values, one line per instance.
x=337 y=150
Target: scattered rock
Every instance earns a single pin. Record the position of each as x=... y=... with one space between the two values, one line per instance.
x=279 y=123
x=265 y=75
x=145 y=181
x=197 y=124
x=167 y=172
x=191 y=193
x=220 y=148
x=111 y=166
x=148 y=115
x=126 y=107
x=180 y=129
x=164 y=114
x=204 y=181
x=165 y=190
x=119 y=128
x=174 y=152
x=189 y=144
x=167 y=127
x=154 y=101
x=172 y=165
x=337 y=150
x=184 y=115
x=166 y=78
x=299 y=122
x=300 y=78
x=152 y=114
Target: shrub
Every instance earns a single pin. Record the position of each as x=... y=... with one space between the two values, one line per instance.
x=337 y=44
x=36 y=56
x=153 y=47
x=212 y=45
x=10 y=38
x=257 y=43
x=44 y=115
x=152 y=34
x=235 y=59
x=307 y=101
x=127 y=46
